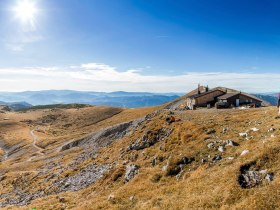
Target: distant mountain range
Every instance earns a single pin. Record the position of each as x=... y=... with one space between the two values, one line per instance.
x=21 y=100
x=120 y=98
x=271 y=98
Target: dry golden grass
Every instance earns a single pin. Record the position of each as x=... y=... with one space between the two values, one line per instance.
x=209 y=185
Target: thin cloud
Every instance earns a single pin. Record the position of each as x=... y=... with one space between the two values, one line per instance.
x=103 y=77
x=19 y=43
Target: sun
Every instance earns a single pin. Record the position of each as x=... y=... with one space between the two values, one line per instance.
x=26 y=10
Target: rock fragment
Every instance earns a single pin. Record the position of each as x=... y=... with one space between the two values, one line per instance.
x=269 y=177
x=231 y=143
x=271 y=130
x=210 y=145
x=225 y=130
x=243 y=134
x=255 y=129
x=131 y=171
x=221 y=149
x=210 y=131
x=244 y=152
x=217 y=157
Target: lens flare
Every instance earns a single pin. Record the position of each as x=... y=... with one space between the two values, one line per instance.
x=26 y=11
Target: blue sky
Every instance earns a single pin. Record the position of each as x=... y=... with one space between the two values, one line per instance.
x=140 y=45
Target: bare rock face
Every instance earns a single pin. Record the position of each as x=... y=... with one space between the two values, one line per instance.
x=82 y=179
x=105 y=136
x=131 y=171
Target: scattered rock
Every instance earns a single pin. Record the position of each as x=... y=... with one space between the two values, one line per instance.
x=170 y=119
x=231 y=143
x=243 y=134
x=230 y=158
x=271 y=130
x=254 y=129
x=210 y=131
x=221 y=149
x=111 y=198
x=154 y=161
x=225 y=130
x=131 y=198
x=210 y=145
x=263 y=171
x=2 y=178
x=131 y=171
x=217 y=157
x=62 y=199
x=164 y=168
x=244 y=152
x=269 y=177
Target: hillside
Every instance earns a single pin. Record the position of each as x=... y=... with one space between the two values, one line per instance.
x=113 y=158
x=16 y=105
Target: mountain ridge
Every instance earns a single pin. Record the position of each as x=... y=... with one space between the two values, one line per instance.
x=119 y=98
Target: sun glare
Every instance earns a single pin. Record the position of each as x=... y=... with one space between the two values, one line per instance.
x=26 y=10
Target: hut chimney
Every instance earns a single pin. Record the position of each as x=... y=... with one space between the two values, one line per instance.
x=207 y=89
x=198 y=89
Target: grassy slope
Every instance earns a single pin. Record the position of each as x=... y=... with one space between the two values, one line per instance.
x=202 y=185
